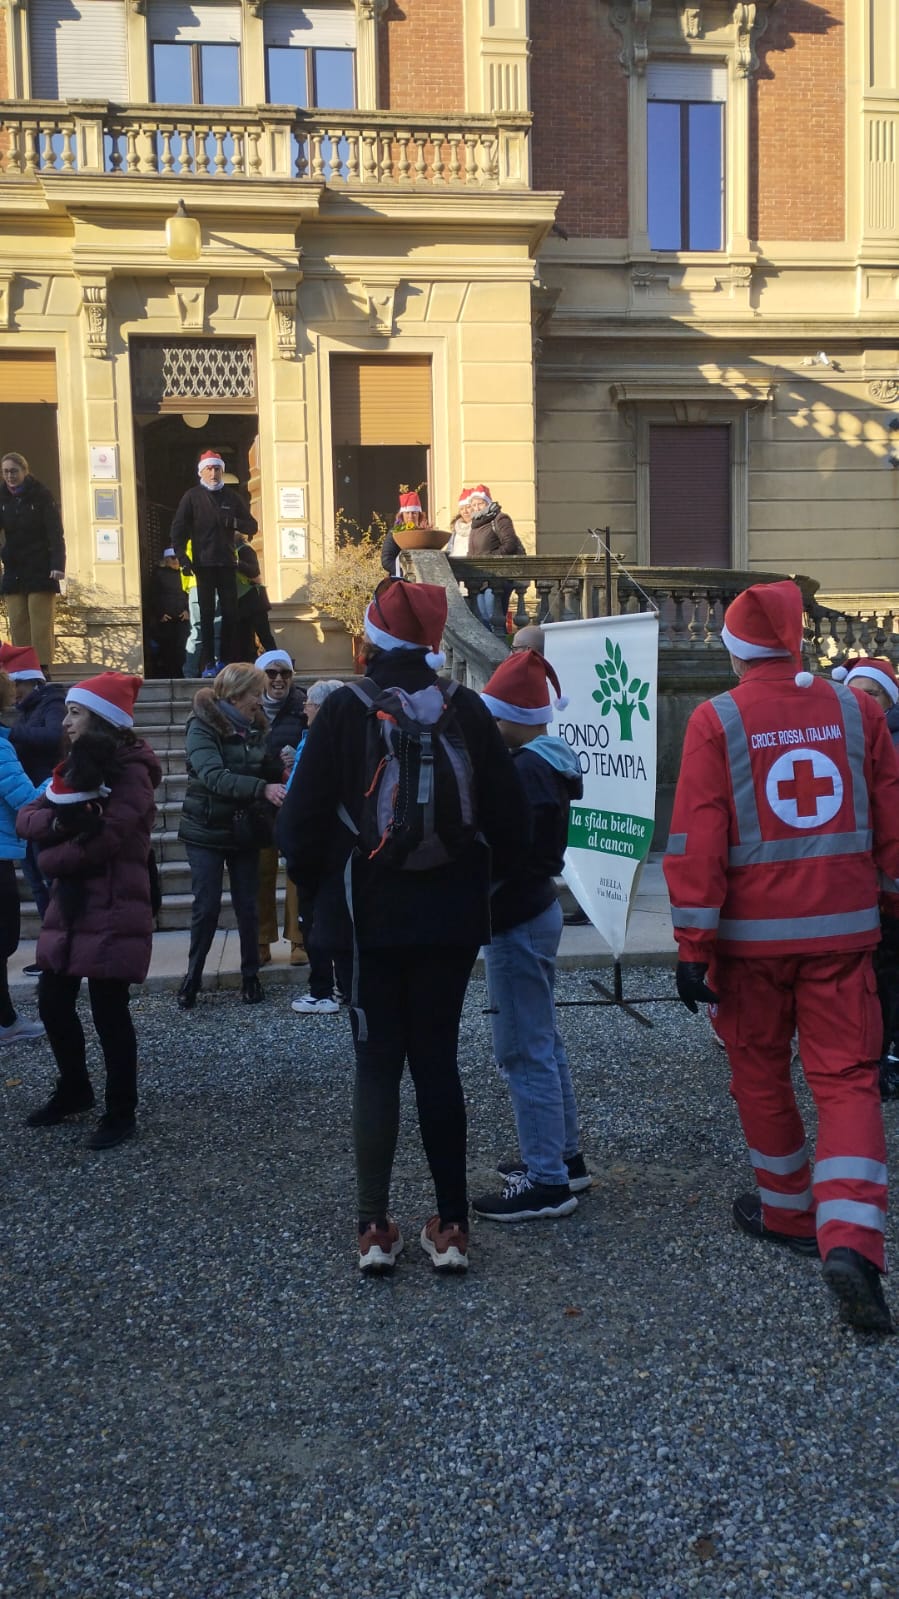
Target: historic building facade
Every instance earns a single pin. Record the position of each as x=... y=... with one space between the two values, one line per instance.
x=630 y=262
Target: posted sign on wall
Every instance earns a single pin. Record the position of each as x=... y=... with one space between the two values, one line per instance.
x=608 y=668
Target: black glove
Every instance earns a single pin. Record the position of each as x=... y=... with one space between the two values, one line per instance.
x=186 y=567
x=692 y=986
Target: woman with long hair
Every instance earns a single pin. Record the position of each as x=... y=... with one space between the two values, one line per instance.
x=91 y=829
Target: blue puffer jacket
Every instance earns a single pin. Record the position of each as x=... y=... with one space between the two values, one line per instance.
x=16 y=790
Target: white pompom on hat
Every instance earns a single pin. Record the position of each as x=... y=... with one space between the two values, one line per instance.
x=110 y=695
x=518 y=690
x=877 y=668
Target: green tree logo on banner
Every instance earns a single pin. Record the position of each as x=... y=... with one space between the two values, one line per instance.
x=620 y=692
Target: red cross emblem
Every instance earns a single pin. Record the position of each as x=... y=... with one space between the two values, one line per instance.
x=804 y=787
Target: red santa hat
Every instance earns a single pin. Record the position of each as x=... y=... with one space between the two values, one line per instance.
x=518 y=691
x=464 y=497
x=481 y=493
x=876 y=667
x=20 y=662
x=58 y=791
x=409 y=501
x=110 y=695
x=210 y=458
x=408 y=616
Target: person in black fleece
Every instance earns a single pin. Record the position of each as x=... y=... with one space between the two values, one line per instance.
x=36 y=737
x=208 y=517
x=521 y=960
x=417 y=932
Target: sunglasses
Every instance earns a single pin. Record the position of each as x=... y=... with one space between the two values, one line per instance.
x=278 y=671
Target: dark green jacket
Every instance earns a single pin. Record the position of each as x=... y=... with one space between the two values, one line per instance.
x=225 y=772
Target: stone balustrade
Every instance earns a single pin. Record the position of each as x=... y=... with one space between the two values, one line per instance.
x=345 y=149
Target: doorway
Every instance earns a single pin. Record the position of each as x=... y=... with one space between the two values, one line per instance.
x=367 y=480
x=166 y=452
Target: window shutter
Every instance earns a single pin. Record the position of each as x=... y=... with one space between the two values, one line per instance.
x=689 y=496
x=177 y=22
x=29 y=378
x=78 y=50
x=381 y=399
x=689 y=80
x=314 y=27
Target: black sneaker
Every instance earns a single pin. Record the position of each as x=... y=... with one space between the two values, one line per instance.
x=59 y=1107
x=856 y=1283
x=889 y=1077
x=747 y=1213
x=112 y=1130
x=522 y=1200
x=579 y=1177
x=252 y=991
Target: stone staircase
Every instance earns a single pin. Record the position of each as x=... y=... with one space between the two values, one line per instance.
x=161 y=717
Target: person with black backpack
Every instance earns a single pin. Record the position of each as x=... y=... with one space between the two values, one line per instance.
x=407 y=792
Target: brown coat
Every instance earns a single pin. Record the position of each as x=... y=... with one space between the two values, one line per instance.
x=496 y=537
x=112 y=933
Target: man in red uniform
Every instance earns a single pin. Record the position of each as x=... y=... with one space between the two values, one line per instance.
x=786 y=808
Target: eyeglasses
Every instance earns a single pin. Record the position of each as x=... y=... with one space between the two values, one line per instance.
x=278 y=671
x=11 y=471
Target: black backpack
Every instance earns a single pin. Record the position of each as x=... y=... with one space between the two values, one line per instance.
x=419 y=806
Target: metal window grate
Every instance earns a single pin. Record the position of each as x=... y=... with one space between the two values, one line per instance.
x=220 y=369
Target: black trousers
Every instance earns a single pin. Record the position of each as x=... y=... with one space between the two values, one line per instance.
x=207 y=872
x=10 y=924
x=412 y=997
x=56 y=1004
x=170 y=639
x=221 y=580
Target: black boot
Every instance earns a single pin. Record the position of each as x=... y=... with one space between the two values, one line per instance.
x=112 y=1130
x=63 y=1102
x=856 y=1283
x=889 y=1077
x=187 y=994
x=252 y=991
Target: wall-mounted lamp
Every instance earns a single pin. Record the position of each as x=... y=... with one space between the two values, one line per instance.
x=195 y=419
x=820 y=358
x=893 y=442
x=182 y=236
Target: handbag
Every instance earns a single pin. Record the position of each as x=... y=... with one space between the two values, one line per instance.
x=253 y=825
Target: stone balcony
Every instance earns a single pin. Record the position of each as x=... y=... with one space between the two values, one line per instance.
x=340 y=149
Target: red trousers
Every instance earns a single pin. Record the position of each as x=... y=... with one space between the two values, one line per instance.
x=831 y=1000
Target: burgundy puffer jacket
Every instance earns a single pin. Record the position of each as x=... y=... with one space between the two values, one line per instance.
x=112 y=934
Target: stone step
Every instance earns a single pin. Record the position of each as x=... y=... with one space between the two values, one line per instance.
x=174 y=915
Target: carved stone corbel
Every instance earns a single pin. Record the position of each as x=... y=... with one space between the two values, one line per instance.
x=190 y=302
x=632 y=22
x=284 y=311
x=886 y=389
x=253 y=8
x=691 y=20
x=750 y=22
x=372 y=10
x=380 y=298
x=138 y=7
x=6 y=282
x=96 y=310
x=543 y=303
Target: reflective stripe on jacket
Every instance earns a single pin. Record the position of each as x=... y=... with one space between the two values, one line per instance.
x=786 y=806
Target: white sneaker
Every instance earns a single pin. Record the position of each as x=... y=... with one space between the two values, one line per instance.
x=307 y=1006
x=22 y=1032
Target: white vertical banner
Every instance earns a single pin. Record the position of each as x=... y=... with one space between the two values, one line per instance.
x=608 y=668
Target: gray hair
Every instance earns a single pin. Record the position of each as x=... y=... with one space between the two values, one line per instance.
x=318 y=693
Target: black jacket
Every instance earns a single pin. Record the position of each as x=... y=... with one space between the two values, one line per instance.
x=549 y=793
x=36 y=733
x=289 y=721
x=34 y=543
x=393 y=908
x=208 y=518
x=226 y=771
x=167 y=595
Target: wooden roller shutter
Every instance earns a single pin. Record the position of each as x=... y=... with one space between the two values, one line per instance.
x=689 y=496
x=28 y=379
x=381 y=399
x=78 y=50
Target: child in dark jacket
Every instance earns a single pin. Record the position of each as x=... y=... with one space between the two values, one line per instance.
x=521 y=959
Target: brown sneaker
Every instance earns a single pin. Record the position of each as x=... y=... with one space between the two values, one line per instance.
x=379 y=1246
x=298 y=956
x=447 y=1246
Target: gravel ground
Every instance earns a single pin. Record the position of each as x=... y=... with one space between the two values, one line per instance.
x=201 y=1399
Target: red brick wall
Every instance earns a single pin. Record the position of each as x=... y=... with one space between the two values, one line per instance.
x=579 y=100
x=421 y=50
x=797 y=125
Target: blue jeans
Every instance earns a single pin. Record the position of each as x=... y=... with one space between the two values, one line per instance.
x=521 y=973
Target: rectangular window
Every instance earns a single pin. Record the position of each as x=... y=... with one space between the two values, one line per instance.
x=195 y=53
x=310 y=55
x=689 y=496
x=685 y=156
